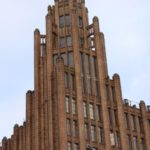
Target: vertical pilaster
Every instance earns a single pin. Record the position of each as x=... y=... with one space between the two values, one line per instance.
x=145 y=124
x=4 y=143
x=49 y=46
x=28 y=119
x=120 y=110
x=102 y=74
x=37 y=84
x=24 y=137
x=61 y=108
x=75 y=39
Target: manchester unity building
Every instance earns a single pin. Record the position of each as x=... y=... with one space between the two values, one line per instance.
x=74 y=104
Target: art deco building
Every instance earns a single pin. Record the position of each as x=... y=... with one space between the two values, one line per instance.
x=75 y=105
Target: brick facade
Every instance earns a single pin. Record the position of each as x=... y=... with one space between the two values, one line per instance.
x=75 y=105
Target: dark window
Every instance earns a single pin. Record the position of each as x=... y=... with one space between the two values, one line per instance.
x=62 y=42
x=86 y=131
x=116 y=117
x=96 y=86
x=82 y=82
x=98 y=113
x=88 y=64
x=140 y=124
x=76 y=146
x=68 y=127
x=75 y=128
x=64 y=56
x=132 y=122
x=81 y=42
x=71 y=59
x=66 y=80
x=69 y=41
x=80 y=22
x=101 y=135
x=95 y=66
x=135 y=143
x=118 y=140
x=64 y=20
x=110 y=116
x=72 y=81
x=54 y=58
x=107 y=93
x=126 y=120
x=113 y=94
x=68 y=20
x=143 y=144
x=81 y=61
x=129 y=142
x=93 y=133
x=89 y=84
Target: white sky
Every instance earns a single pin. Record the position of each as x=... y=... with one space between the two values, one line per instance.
x=126 y=25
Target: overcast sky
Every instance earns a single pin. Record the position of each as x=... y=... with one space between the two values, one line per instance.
x=125 y=23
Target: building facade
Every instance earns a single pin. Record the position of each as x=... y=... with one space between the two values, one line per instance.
x=75 y=105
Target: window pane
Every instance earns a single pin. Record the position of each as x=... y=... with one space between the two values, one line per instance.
x=73 y=106
x=68 y=127
x=64 y=56
x=62 y=42
x=91 y=111
x=113 y=94
x=76 y=147
x=126 y=120
x=75 y=128
x=54 y=58
x=87 y=64
x=68 y=20
x=89 y=84
x=72 y=82
x=66 y=80
x=69 y=41
x=98 y=113
x=80 y=22
x=81 y=61
x=101 y=135
x=67 y=105
x=85 y=109
x=81 y=42
x=107 y=93
x=61 y=21
x=93 y=133
x=132 y=122
x=86 y=131
x=69 y=146
x=143 y=144
x=129 y=143
x=95 y=66
x=71 y=59
x=135 y=143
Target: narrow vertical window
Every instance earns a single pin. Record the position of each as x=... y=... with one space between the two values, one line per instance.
x=113 y=94
x=71 y=59
x=86 y=131
x=80 y=22
x=68 y=127
x=132 y=122
x=93 y=133
x=85 y=109
x=67 y=105
x=135 y=143
x=69 y=41
x=82 y=82
x=126 y=120
x=89 y=84
x=61 y=21
x=107 y=93
x=143 y=144
x=64 y=56
x=66 y=80
x=98 y=113
x=76 y=146
x=68 y=20
x=74 y=106
x=101 y=135
x=129 y=142
x=54 y=58
x=118 y=140
x=62 y=42
x=116 y=117
x=95 y=66
x=75 y=128
x=140 y=124
x=72 y=81
x=69 y=145
x=81 y=62
x=110 y=116
x=88 y=64
x=81 y=42
x=91 y=107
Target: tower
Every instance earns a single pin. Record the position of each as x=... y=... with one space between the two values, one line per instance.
x=75 y=105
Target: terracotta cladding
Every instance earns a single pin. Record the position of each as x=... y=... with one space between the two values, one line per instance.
x=75 y=105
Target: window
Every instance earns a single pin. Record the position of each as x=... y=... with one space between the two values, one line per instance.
x=91 y=107
x=81 y=61
x=143 y=144
x=101 y=135
x=68 y=127
x=69 y=145
x=129 y=142
x=116 y=117
x=68 y=20
x=66 y=80
x=71 y=59
x=86 y=131
x=118 y=141
x=98 y=113
x=96 y=86
x=81 y=42
x=76 y=146
x=95 y=66
x=61 y=21
x=110 y=116
x=126 y=120
x=74 y=106
x=135 y=143
x=64 y=20
x=80 y=22
x=64 y=56
x=93 y=133
x=62 y=42
x=132 y=122
x=69 y=41
x=82 y=82
x=107 y=93
x=140 y=124
x=67 y=105
x=75 y=128
x=87 y=64
x=72 y=81
x=113 y=94
x=89 y=84
x=55 y=58
x=84 y=109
